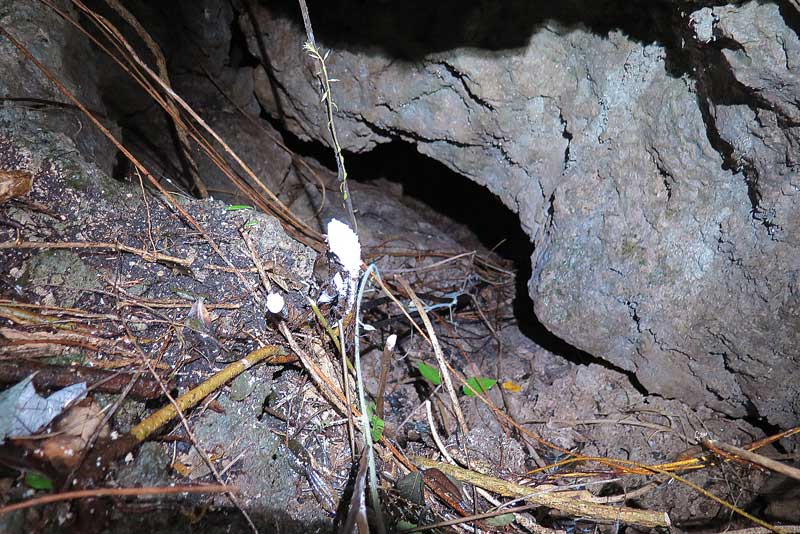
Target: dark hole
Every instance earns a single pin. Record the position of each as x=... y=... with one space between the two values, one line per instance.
x=448 y=193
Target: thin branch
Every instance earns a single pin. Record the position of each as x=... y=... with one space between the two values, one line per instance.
x=573 y=507
x=437 y=350
x=146 y=255
x=327 y=98
x=763 y=461
x=117 y=492
x=178 y=124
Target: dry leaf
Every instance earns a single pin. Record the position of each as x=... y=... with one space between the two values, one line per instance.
x=14 y=184
x=74 y=430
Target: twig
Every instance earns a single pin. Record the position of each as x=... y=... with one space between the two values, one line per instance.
x=402 y=308
x=151 y=257
x=386 y=360
x=351 y=433
x=574 y=507
x=62 y=375
x=538 y=529
x=327 y=97
x=437 y=349
x=435 y=434
x=763 y=461
x=256 y=260
x=161 y=62
x=117 y=492
x=630 y=422
x=431 y=266
x=326 y=326
x=326 y=387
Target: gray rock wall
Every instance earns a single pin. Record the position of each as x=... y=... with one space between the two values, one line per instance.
x=30 y=97
x=657 y=177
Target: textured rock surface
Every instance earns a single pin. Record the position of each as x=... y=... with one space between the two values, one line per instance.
x=657 y=182
x=29 y=96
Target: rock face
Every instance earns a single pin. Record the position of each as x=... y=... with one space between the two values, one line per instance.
x=30 y=97
x=652 y=161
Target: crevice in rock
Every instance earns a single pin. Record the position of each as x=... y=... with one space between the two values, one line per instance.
x=726 y=151
x=666 y=177
x=716 y=85
x=448 y=193
x=239 y=54
x=468 y=203
x=551 y=210
x=463 y=78
x=567 y=135
x=238 y=36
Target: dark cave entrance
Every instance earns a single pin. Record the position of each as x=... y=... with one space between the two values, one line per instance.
x=446 y=192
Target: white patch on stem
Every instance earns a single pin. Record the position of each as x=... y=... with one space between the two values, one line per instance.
x=343 y=243
x=391 y=341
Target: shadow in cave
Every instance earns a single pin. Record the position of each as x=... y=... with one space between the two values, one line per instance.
x=448 y=193
x=415 y=28
x=460 y=199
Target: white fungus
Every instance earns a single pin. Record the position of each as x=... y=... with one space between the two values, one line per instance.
x=391 y=341
x=275 y=303
x=343 y=243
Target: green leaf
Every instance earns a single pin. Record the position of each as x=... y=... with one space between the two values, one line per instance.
x=430 y=373
x=481 y=385
x=376 y=425
x=38 y=481
x=500 y=520
x=251 y=223
x=238 y=207
x=405 y=525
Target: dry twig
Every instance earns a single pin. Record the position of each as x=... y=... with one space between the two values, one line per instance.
x=116 y=492
x=569 y=505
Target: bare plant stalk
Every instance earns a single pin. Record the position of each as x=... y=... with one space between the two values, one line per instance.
x=373 y=476
x=330 y=107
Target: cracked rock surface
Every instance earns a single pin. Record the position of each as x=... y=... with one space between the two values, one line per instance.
x=651 y=155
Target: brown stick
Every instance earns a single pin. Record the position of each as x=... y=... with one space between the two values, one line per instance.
x=146 y=255
x=437 y=350
x=763 y=461
x=116 y=492
x=61 y=376
x=573 y=507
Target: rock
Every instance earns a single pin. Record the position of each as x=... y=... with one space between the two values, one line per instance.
x=652 y=251
x=29 y=96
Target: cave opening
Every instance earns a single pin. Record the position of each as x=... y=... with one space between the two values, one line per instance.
x=447 y=193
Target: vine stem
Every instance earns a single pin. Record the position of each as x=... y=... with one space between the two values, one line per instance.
x=330 y=107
